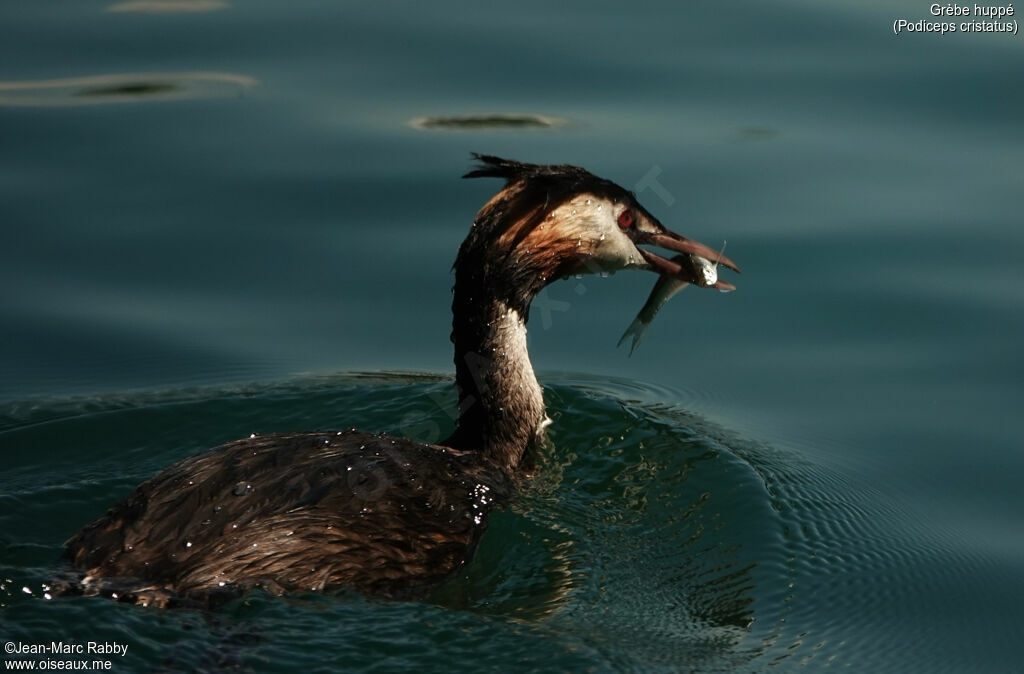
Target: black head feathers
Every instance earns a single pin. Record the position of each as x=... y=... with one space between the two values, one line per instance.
x=555 y=179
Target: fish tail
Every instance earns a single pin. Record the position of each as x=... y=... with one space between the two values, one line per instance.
x=635 y=330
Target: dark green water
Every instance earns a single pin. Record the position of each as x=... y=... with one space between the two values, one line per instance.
x=650 y=539
x=210 y=219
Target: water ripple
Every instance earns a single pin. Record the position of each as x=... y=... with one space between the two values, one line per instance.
x=486 y=122
x=650 y=538
x=124 y=88
x=168 y=6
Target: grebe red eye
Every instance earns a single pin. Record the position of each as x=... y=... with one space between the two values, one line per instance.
x=626 y=219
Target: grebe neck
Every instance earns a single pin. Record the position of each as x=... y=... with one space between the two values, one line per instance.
x=501 y=406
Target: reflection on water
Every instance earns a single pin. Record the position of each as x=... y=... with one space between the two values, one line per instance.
x=496 y=121
x=169 y=6
x=124 y=88
x=140 y=89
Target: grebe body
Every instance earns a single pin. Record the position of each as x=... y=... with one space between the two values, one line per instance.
x=297 y=512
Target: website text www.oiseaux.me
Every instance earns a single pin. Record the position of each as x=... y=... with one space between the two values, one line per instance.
x=61 y=656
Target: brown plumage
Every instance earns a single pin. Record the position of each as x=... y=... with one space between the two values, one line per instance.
x=293 y=513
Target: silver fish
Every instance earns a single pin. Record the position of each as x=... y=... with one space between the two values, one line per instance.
x=695 y=270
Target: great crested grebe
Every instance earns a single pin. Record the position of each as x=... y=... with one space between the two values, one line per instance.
x=321 y=511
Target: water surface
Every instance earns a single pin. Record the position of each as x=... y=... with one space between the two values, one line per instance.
x=213 y=214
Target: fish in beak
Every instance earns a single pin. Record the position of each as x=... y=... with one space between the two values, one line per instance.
x=644 y=229
x=674 y=275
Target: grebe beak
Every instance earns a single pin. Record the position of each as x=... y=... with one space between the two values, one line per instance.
x=680 y=244
x=681 y=267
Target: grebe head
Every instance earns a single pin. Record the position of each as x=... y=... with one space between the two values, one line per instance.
x=547 y=223
x=551 y=222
